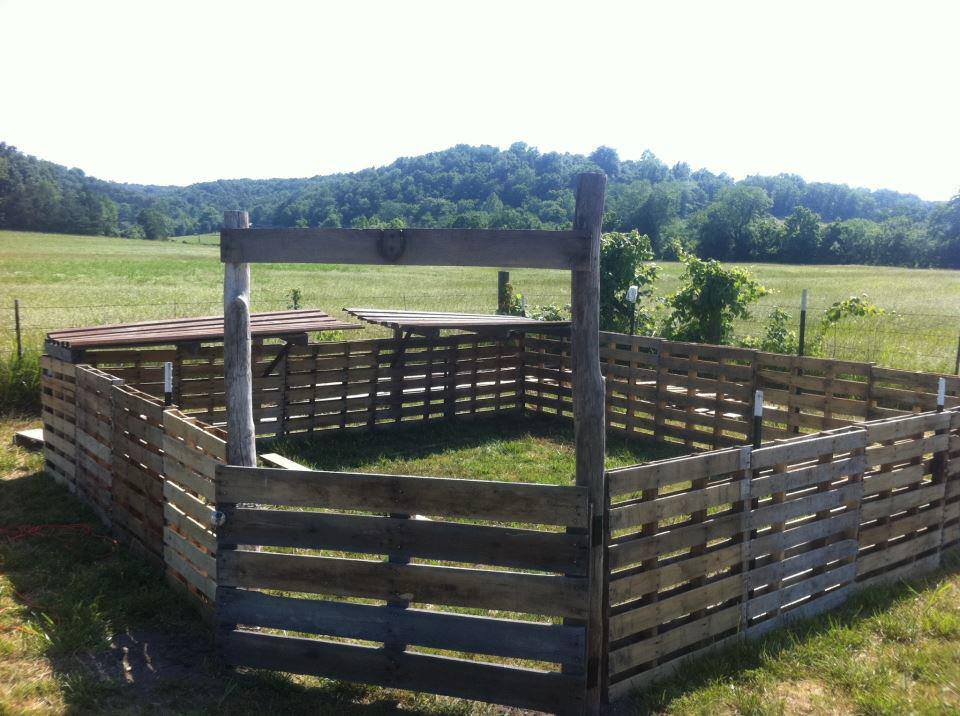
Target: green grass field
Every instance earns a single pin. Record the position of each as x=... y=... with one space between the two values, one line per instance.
x=88 y=627
x=66 y=281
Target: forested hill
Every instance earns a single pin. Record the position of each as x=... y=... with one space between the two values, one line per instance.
x=777 y=218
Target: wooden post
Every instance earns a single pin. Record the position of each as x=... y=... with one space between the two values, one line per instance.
x=803 y=322
x=941 y=460
x=503 y=280
x=588 y=423
x=167 y=384
x=237 y=369
x=800 y=348
x=758 y=419
x=396 y=373
x=16 y=324
x=520 y=380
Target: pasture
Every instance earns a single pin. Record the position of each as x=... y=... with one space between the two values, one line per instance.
x=66 y=281
x=69 y=644
x=68 y=654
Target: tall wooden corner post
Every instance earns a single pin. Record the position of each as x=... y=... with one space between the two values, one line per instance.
x=237 y=369
x=589 y=424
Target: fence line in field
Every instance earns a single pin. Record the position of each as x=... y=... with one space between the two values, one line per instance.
x=911 y=340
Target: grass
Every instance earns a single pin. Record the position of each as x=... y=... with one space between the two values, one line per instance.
x=87 y=627
x=20 y=382
x=889 y=650
x=66 y=281
x=509 y=448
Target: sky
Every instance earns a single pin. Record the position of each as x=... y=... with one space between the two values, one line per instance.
x=171 y=92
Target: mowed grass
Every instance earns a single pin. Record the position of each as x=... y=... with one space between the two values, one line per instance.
x=65 y=281
x=506 y=448
x=88 y=627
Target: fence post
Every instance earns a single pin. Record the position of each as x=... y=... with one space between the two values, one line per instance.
x=237 y=367
x=589 y=423
x=956 y=367
x=16 y=323
x=941 y=461
x=167 y=384
x=521 y=373
x=632 y=294
x=744 y=506
x=757 y=419
x=803 y=322
x=503 y=300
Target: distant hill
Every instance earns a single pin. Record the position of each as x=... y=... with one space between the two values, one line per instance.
x=778 y=217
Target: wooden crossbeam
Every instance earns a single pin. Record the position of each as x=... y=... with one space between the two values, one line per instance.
x=409 y=247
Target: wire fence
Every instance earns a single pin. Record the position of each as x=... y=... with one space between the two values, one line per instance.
x=907 y=340
x=913 y=341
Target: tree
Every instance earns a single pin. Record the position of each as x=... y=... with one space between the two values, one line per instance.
x=154 y=224
x=607 y=159
x=485 y=187
x=800 y=241
x=851 y=241
x=725 y=228
x=711 y=296
x=945 y=228
x=899 y=243
x=624 y=261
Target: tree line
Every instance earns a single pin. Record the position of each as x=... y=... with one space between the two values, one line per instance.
x=761 y=218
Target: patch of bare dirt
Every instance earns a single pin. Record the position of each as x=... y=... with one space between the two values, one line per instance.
x=809 y=697
x=142 y=661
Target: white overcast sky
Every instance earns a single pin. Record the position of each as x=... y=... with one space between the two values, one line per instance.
x=177 y=92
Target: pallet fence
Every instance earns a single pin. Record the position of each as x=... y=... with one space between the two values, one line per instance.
x=710 y=548
x=701 y=396
x=476 y=609
x=480 y=589
x=335 y=385
x=140 y=466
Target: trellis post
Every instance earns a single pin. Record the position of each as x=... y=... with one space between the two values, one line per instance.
x=503 y=301
x=237 y=368
x=588 y=421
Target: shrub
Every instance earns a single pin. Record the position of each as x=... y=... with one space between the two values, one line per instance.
x=20 y=383
x=711 y=296
x=550 y=312
x=294 y=299
x=624 y=261
x=777 y=337
x=839 y=311
x=511 y=303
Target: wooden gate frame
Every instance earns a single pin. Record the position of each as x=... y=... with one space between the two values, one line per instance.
x=577 y=250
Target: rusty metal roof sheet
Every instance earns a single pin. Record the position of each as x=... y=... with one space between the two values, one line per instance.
x=430 y=322
x=188 y=330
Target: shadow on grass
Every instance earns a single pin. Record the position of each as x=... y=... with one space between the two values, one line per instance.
x=117 y=637
x=120 y=640
x=734 y=663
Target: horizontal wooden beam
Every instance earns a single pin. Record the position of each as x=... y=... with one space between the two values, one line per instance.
x=433 y=496
x=507 y=638
x=447 y=541
x=550 y=691
x=408 y=247
x=545 y=594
